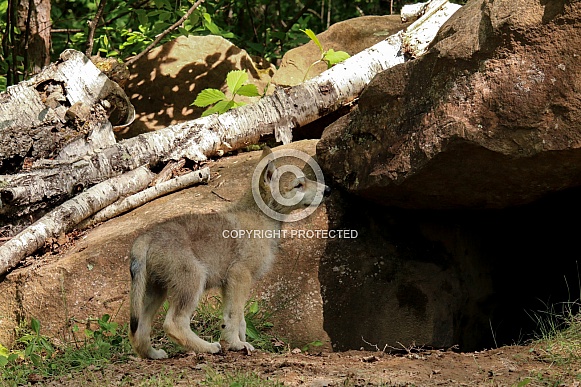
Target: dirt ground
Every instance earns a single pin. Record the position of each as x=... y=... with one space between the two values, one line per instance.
x=507 y=366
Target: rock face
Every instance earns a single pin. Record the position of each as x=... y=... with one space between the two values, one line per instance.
x=459 y=168
x=165 y=82
x=488 y=118
x=351 y=36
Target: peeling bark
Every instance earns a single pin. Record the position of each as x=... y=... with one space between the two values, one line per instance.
x=131 y=202
x=65 y=217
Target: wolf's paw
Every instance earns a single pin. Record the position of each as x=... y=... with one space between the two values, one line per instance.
x=214 y=348
x=156 y=354
x=241 y=345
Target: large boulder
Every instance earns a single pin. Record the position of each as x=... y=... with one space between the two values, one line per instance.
x=165 y=82
x=459 y=169
x=488 y=118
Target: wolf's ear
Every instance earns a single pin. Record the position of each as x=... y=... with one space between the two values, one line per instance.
x=269 y=172
x=265 y=152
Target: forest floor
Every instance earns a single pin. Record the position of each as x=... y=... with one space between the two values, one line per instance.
x=533 y=365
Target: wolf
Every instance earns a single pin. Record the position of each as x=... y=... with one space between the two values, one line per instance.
x=181 y=258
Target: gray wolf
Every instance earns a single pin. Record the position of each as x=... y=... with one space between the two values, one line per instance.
x=179 y=259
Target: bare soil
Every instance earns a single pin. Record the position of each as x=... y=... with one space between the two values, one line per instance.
x=507 y=366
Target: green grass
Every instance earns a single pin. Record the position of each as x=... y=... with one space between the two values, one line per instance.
x=35 y=357
x=103 y=342
x=558 y=342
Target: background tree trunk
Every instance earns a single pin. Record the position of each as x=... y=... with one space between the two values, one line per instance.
x=35 y=25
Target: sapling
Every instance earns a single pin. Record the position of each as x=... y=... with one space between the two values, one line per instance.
x=236 y=85
x=330 y=56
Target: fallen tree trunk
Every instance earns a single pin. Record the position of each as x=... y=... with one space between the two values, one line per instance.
x=58 y=109
x=131 y=202
x=55 y=119
x=209 y=136
x=65 y=217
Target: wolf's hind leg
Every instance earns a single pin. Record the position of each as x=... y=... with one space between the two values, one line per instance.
x=183 y=299
x=236 y=291
x=152 y=300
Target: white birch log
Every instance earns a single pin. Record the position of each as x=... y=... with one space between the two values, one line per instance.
x=131 y=202
x=69 y=214
x=411 y=12
x=213 y=135
x=420 y=34
x=42 y=108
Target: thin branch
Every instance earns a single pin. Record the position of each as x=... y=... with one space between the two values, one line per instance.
x=93 y=26
x=249 y=10
x=66 y=30
x=295 y=19
x=164 y=33
x=138 y=199
x=329 y=15
x=27 y=36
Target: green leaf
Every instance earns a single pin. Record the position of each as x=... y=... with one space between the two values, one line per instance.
x=235 y=79
x=35 y=325
x=142 y=17
x=313 y=37
x=194 y=18
x=333 y=57
x=220 y=107
x=3 y=361
x=253 y=308
x=164 y=15
x=213 y=28
x=251 y=330
x=36 y=359
x=29 y=350
x=249 y=90
x=4 y=351
x=208 y=97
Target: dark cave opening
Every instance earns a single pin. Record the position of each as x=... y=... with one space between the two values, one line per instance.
x=474 y=279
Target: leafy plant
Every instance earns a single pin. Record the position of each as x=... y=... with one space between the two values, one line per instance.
x=330 y=56
x=35 y=355
x=257 y=327
x=32 y=349
x=36 y=345
x=236 y=85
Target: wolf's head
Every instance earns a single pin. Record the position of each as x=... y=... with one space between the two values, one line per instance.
x=284 y=186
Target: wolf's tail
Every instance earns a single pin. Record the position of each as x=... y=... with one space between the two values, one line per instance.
x=140 y=343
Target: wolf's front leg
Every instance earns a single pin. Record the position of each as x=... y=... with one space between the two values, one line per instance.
x=236 y=291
